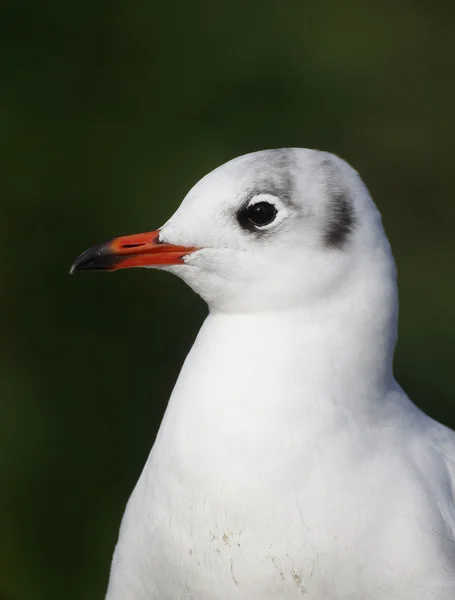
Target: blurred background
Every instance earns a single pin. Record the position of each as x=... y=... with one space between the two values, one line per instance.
x=109 y=112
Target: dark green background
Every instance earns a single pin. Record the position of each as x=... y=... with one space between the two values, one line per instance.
x=110 y=111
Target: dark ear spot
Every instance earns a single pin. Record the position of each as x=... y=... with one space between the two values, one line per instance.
x=341 y=221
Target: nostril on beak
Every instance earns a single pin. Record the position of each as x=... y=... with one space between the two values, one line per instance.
x=132 y=245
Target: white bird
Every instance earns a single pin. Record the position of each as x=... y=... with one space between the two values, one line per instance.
x=289 y=463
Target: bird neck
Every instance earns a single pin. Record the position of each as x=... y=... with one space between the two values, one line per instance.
x=260 y=391
x=298 y=361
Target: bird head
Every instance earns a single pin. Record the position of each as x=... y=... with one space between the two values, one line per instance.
x=270 y=230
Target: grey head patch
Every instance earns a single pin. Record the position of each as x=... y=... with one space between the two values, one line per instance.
x=341 y=219
x=272 y=173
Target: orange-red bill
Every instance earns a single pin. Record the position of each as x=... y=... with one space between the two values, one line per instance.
x=139 y=250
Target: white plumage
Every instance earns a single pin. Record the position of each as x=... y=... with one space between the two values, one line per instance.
x=289 y=464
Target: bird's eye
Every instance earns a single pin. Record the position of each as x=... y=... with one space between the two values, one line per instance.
x=261 y=213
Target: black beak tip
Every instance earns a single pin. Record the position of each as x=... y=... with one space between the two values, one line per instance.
x=96 y=258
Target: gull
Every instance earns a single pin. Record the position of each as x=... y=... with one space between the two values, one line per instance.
x=289 y=463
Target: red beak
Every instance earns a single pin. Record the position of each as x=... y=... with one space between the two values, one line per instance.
x=140 y=250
